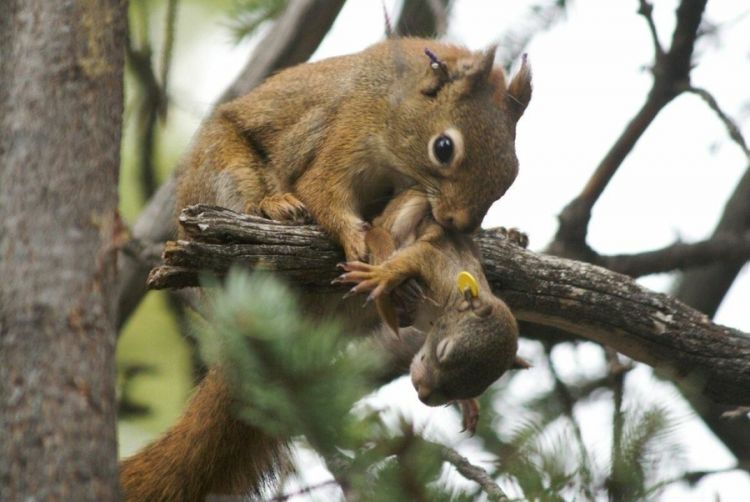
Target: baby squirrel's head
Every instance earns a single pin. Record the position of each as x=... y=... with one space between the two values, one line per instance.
x=455 y=134
x=466 y=350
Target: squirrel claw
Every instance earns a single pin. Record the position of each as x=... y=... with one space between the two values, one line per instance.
x=350 y=293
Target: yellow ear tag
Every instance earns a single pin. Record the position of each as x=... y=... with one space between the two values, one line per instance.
x=466 y=281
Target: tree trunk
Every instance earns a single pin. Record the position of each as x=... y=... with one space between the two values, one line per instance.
x=61 y=100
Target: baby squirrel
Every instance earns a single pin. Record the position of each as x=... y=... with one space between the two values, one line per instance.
x=472 y=336
x=337 y=138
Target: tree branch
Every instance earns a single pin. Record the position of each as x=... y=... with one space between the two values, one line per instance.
x=474 y=473
x=646 y=9
x=734 y=132
x=582 y=299
x=295 y=36
x=680 y=256
x=671 y=74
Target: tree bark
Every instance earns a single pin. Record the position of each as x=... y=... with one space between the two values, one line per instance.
x=60 y=116
x=582 y=299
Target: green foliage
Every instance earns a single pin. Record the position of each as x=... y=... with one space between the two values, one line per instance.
x=294 y=377
x=541 y=455
x=248 y=15
x=645 y=444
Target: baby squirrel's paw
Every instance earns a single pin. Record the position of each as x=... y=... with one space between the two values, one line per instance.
x=470 y=412
x=513 y=235
x=284 y=207
x=365 y=277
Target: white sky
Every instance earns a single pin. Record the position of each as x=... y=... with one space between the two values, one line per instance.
x=589 y=80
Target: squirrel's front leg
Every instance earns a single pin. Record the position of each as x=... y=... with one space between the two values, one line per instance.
x=331 y=203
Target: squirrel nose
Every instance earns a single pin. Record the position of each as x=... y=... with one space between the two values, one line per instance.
x=423 y=392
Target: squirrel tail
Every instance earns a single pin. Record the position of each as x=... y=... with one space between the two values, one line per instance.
x=207 y=452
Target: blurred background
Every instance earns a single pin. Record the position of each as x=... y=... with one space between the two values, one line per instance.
x=591 y=62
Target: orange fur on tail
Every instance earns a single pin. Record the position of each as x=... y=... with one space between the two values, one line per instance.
x=207 y=452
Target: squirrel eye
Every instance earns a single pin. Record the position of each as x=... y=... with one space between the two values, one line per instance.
x=443 y=149
x=446 y=148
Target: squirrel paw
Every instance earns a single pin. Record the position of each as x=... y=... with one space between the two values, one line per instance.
x=513 y=235
x=365 y=277
x=284 y=207
x=470 y=412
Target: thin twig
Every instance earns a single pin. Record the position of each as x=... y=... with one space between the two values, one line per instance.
x=567 y=401
x=140 y=62
x=303 y=491
x=646 y=10
x=166 y=56
x=693 y=477
x=732 y=129
x=474 y=473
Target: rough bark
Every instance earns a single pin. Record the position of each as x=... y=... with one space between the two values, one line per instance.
x=60 y=115
x=299 y=31
x=582 y=299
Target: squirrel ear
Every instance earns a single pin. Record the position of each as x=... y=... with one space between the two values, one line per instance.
x=519 y=90
x=479 y=70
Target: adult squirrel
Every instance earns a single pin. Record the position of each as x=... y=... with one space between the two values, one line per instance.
x=337 y=138
x=471 y=335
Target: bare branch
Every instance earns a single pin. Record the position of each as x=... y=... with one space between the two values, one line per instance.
x=166 y=55
x=582 y=299
x=296 y=35
x=304 y=491
x=703 y=289
x=732 y=129
x=680 y=256
x=671 y=73
x=474 y=473
x=646 y=9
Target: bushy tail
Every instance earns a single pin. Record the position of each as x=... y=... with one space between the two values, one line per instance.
x=207 y=452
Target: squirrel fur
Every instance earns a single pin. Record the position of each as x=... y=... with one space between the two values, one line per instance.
x=337 y=138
